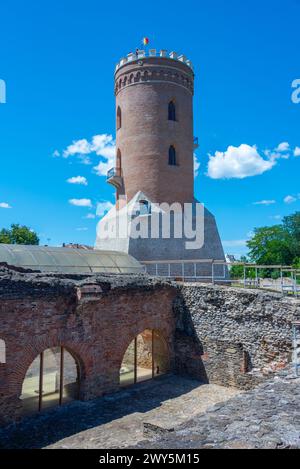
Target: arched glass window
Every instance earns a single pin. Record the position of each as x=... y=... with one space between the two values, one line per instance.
x=2 y=351
x=119 y=118
x=172 y=156
x=146 y=357
x=172 y=111
x=51 y=380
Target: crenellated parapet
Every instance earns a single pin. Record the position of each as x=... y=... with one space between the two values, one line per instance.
x=141 y=54
x=154 y=67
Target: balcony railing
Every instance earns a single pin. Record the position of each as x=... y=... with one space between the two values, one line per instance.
x=114 y=177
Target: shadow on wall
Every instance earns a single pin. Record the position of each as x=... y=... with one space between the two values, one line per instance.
x=188 y=347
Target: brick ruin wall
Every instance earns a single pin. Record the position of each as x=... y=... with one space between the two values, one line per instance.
x=238 y=336
x=94 y=318
x=223 y=335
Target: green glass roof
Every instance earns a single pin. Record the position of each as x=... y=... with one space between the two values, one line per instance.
x=68 y=260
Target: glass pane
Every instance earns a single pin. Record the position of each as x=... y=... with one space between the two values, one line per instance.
x=161 y=355
x=127 y=367
x=30 y=389
x=51 y=378
x=67 y=259
x=144 y=355
x=71 y=382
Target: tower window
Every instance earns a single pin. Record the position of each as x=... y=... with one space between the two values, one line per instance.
x=119 y=162
x=119 y=118
x=145 y=207
x=2 y=351
x=171 y=111
x=172 y=156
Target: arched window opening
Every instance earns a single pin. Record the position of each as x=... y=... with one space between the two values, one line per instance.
x=119 y=118
x=51 y=380
x=172 y=111
x=172 y=156
x=144 y=207
x=146 y=357
x=2 y=351
x=119 y=163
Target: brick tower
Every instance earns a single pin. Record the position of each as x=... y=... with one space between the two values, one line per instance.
x=154 y=153
x=154 y=138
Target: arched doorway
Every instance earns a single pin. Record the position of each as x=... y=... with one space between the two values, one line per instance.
x=51 y=380
x=146 y=357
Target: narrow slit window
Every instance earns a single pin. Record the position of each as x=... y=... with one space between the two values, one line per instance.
x=172 y=111
x=119 y=118
x=2 y=351
x=172 y=156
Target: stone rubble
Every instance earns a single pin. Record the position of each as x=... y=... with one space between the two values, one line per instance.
x=267 y=417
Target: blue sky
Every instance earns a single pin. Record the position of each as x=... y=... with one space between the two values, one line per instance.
x=57 y=59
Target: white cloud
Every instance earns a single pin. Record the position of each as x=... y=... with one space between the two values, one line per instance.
x=289 y=199
x=196 y=165
x=90 y=216
x=238 y=162
x=297 y=151
x=283 y=147
x=82 y=229
x=78 y=180
x=234 y=243
x=4 y=205
x=102 y=145
x=81 y=202
x=265 y=202
x=276 y=217
x=103 y=207
x=56 y=154
x=282 y=151
x=78 y=147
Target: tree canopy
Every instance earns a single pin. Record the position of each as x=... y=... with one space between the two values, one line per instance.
x=18 y=234
x=278 y=244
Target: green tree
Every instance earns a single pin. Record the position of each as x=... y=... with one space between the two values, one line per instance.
x=18 y=234
x=237 y=271
x=271 y=245
x=291 y=224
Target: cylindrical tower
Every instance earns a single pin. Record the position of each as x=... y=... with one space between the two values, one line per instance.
x=154 y=136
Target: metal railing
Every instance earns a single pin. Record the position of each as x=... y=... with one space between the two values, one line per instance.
x=218 y=271
x=112 y=172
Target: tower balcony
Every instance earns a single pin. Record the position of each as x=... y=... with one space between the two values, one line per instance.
x=114 y=177
x=196 y=143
